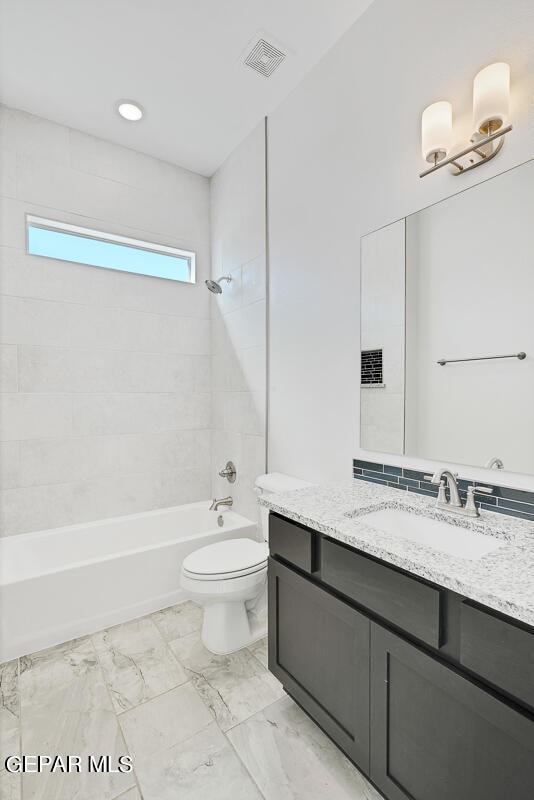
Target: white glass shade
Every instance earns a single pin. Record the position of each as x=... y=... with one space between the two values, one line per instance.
x=491 y=97
x=436 y=130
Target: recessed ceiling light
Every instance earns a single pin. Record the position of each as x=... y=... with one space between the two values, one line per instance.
x=129 y=110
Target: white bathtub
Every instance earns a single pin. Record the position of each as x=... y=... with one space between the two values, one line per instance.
x=58 y=584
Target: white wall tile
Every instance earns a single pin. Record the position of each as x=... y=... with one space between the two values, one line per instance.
x=27 y=416
x=95 y=327
x=141 y=293
x=12 y=222
x=231 y=297
x=57 y=369
x=254 y=280
x=8 y=368
x=186 y=335
x=34 y=277
x=202 y=373
x=185 y=486
x=141 y=332
x=163 y=453
x=10 y=476
x=238 y=202
x=252 y=366
x=106 y=376
x=138 y=413
x=246 y=326
x=69 y=459
x=42 y=182
x=253 y=410
x=8 y=171
x=35 y=508
x=34 y=136
x=90 y=285
x=152 y=372
x=34 y=321
x=238 y=341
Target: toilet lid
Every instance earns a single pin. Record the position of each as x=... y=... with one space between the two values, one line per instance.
x=227 y=557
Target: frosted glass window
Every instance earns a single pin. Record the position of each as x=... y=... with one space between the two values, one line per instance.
x=84 y=246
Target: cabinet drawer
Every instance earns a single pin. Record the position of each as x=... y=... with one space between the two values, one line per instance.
x=292 y=542
x=499 y=651
x=406 y=602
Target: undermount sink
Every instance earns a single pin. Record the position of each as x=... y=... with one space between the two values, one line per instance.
x=451 y=539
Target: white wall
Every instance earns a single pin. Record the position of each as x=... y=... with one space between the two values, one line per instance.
x=238 y=321
x=344 y=159
x=105 y=404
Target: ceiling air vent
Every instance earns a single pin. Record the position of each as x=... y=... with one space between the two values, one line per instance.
x=264 y=58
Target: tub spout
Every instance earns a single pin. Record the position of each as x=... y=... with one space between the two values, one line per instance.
x=226 y=501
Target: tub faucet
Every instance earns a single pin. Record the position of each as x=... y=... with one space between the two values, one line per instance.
x=225 y=501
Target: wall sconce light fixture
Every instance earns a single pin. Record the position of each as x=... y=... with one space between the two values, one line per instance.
x=491 y=106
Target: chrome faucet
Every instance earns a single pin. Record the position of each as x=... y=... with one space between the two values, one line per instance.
x=225 y=501
x=454 y=504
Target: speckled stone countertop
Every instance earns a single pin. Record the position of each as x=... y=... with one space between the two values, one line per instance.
x=502 y=580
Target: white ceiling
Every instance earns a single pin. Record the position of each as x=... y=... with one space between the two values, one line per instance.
x=71 y=60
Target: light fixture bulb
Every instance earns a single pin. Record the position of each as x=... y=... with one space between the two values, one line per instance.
x=491 y=98
x=129 y=110
x=436 y=131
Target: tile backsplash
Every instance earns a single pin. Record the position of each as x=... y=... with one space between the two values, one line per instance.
x=503 y=500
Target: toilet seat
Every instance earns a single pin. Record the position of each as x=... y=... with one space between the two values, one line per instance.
x=225 y=560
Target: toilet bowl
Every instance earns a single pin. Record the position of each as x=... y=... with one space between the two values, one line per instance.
x=229 y=579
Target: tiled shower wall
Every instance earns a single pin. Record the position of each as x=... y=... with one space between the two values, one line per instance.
x=239 y=321
x=105 y=376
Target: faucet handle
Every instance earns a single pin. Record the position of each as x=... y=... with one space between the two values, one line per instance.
x=229 y=472
x=480 y=489
x=470 y=504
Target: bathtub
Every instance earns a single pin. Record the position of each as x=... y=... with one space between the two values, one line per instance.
x=58 y=584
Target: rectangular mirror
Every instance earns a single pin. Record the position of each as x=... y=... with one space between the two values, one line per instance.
x=455 y=283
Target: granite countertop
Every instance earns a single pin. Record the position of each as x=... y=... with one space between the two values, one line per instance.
x=502 y=580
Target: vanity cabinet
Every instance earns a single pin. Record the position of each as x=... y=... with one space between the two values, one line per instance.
x=409 y=679
x=436 y=735
x=319 y=650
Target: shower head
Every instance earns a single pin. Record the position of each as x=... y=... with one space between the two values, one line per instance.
x=215 y=286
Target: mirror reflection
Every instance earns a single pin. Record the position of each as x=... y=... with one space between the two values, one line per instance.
x=453 y=283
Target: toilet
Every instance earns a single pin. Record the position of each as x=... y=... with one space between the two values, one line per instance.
x=229 y=579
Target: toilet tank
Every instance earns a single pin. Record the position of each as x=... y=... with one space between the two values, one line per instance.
x=273 y=483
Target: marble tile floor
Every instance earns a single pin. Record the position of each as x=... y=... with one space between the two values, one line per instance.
x=196 y=726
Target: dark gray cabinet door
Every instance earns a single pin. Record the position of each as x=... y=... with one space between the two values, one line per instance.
x=436 y=735
x=319 y=650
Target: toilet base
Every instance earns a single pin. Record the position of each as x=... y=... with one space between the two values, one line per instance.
x=228 y=626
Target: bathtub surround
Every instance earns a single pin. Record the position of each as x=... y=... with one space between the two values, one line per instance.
x=238 y=338
x=195 y=725
x=502 y=500
x=105 y=404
